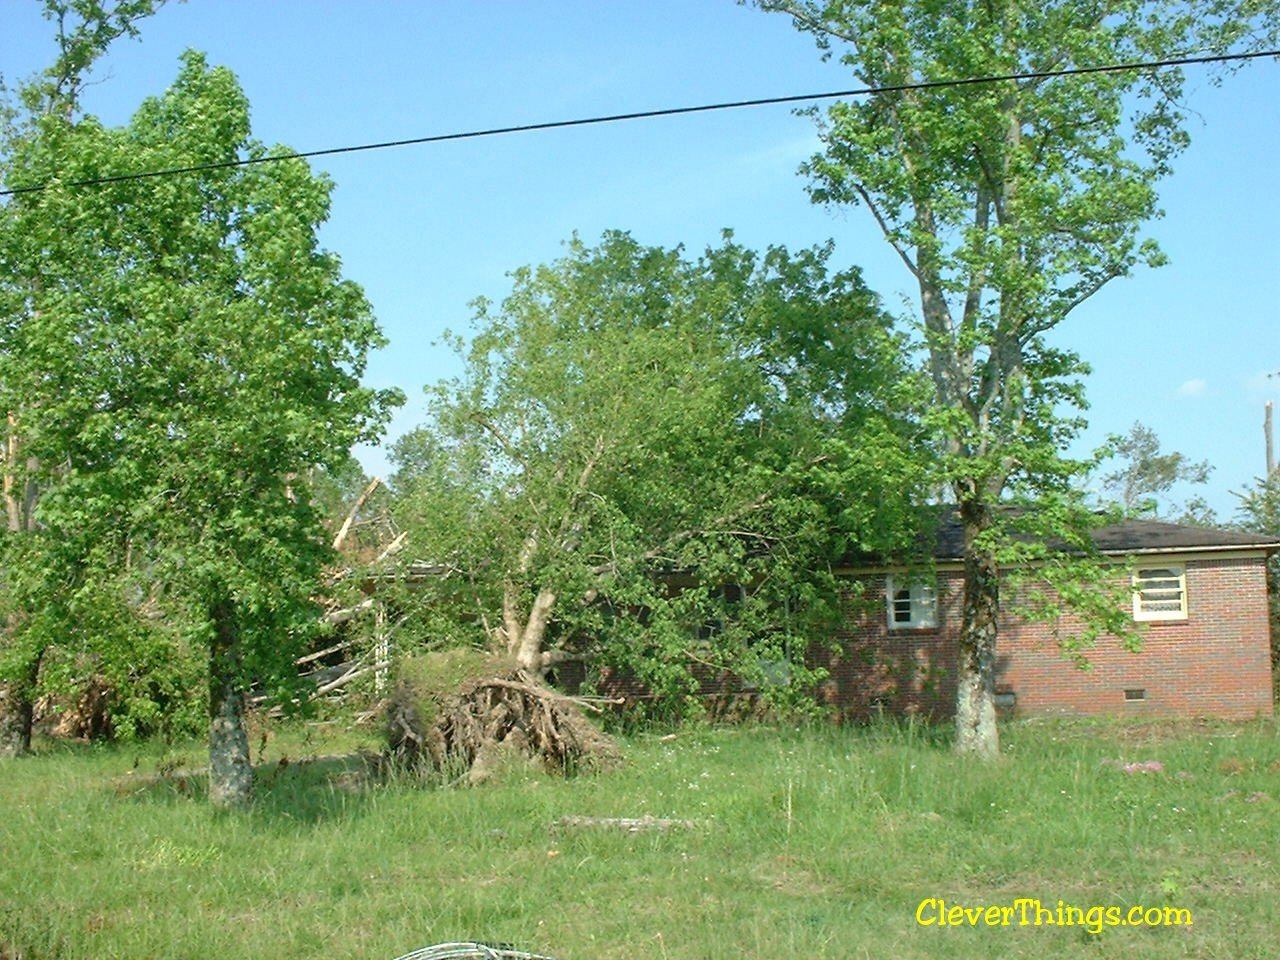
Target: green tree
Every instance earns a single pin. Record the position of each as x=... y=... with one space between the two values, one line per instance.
x=182 y=354
x=1147 y=473
x=83 y=32
x=650 y=460
x=1010 y=203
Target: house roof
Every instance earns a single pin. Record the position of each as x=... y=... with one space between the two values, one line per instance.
x=1129 y=537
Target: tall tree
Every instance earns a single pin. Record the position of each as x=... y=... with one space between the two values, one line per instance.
x=83 y=32
x=1146 y=474
x=1010 y=203
x=183 y=352
x=631 y=421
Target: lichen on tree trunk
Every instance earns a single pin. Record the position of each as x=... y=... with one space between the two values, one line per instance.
x=16 y=713
x=230 y=772
x=976 y=730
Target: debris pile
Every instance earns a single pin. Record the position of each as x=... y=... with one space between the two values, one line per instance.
x=466 y=713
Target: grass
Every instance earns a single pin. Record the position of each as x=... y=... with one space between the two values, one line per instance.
x=813 y=843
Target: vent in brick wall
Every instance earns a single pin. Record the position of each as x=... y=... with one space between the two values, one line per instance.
x=1135 y=694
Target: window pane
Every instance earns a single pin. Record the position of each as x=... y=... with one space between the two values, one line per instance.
x=1160 y=593
x=902 y=606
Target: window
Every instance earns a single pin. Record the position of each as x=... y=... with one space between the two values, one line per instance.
x=912 y=604
x=1160 y=593
x=731 y=596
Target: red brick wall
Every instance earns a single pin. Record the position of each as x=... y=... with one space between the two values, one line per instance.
x=1214 y=663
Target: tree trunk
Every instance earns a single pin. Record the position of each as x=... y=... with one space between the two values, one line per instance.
x=528 y=651
x=16 y=712
x=17 y=709
x=230 y=773
x=976 y=731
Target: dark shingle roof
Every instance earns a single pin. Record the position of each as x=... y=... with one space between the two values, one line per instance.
x=1138 y=536
x=1129 y=536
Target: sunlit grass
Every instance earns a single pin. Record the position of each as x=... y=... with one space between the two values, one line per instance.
x=808 y=843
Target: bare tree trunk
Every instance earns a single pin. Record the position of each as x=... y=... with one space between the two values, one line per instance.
x=528 y=651
x=1266 y=432
x=230 y=772
x=355 y=509
x=976 y=730
x=12 y=507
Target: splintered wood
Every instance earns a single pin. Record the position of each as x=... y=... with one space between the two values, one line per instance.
x=626 y=824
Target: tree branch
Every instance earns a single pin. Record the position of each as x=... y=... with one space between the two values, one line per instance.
x=491 y=428
x=806 y=20
x=687 y=534
x=886 y=229
x=355 y=508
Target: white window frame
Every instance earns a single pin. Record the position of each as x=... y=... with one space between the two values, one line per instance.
x=922 y=597
x=1155 y=587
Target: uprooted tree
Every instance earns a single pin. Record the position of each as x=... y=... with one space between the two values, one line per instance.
x=182 y=352
x=651 y=461
x=467 y=713
x=1010 y=202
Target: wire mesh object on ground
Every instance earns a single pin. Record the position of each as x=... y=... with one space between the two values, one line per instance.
x=470 y=951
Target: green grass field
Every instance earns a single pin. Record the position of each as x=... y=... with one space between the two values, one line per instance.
x=810 y=843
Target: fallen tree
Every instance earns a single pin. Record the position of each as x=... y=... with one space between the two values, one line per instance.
x=466 y=714
x=649 y=462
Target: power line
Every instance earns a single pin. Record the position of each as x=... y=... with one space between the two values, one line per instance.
x=652 y=114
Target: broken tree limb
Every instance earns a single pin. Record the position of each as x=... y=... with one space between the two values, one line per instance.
x=347 y=613
x=355 y=508
x=347 y=677
x=392 y=548
x=320 y=654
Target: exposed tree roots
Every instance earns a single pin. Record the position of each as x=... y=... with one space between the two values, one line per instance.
x=474 y=726
x=87 y=715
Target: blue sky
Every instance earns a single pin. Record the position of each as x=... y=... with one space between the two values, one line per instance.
x=1185 y=349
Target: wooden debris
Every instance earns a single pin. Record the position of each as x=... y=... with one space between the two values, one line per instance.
x=466 y=711
x=355 y=509
x=394 y=547
x=627 y=824
x=344 y=614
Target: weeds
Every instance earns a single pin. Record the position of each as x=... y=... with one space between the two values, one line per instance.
x=817 y=842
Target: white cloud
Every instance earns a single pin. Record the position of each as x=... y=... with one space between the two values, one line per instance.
x=1193 y=388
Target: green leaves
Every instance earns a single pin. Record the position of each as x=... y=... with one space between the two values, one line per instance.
x=637 y=432
x=181 y=351
x=1010 y=202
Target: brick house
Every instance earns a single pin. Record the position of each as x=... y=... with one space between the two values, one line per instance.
x=1200 y=593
